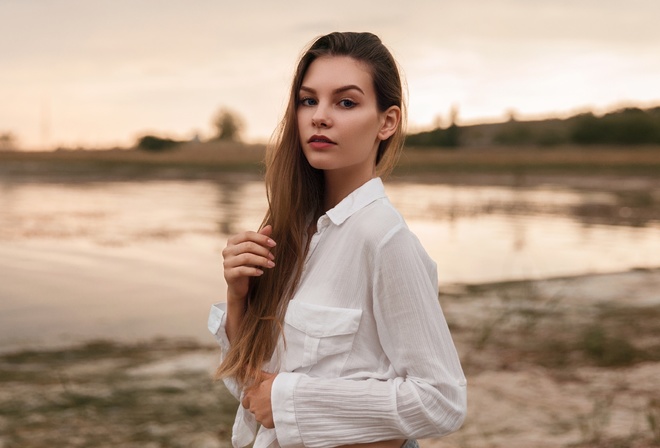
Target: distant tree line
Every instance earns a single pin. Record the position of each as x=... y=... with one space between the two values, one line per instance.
x=228 y=127
x=628 y=126
x=7 y=141
x=154 y=143
x=447 y=138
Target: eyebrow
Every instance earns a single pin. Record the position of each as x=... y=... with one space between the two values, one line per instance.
x=337 y=90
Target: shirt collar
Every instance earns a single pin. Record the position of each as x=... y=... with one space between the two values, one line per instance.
x=357 y=200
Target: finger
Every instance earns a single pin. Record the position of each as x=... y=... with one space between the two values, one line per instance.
x=247 y=259
x=243 y=236
x=242 y=271
x=249 y=247
x=266 y=230
x=257 y=237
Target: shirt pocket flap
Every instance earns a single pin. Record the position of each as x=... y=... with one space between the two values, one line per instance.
x=320 y=321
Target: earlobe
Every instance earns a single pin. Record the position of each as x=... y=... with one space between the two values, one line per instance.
x=392 y=116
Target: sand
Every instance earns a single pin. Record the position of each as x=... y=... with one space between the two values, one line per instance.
x=571 y=362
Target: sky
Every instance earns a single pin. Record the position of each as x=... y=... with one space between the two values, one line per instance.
x=102 y=73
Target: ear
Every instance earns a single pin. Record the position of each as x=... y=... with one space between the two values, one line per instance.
x=390 y=121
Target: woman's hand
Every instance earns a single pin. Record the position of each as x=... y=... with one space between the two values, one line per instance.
x=257 y=400
x=245 y=256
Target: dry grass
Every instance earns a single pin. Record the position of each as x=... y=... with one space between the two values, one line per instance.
x=568 y=159
x=107 y=395
x=208 y=159
x=549 y=368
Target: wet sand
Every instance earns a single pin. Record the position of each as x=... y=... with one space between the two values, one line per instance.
x=571 y=362
x=566 y=362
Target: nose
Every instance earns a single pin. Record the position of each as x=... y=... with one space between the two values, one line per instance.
x=321 y=117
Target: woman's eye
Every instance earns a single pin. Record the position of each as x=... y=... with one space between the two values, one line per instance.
x=308 y=101
x=348 y=104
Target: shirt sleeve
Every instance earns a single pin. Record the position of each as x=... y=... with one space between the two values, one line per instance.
x=427 y=398
x=217 y=326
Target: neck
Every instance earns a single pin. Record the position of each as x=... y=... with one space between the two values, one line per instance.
x=339 y=184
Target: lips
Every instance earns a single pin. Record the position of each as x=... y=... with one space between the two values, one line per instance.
x=320 y=143
x=319 y=139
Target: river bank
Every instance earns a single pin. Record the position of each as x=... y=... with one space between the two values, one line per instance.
x=211 y=160
x=567 y=362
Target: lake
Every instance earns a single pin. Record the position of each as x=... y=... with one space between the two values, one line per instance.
x=135 y=260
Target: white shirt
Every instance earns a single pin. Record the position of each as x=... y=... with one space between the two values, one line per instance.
x=368 y=353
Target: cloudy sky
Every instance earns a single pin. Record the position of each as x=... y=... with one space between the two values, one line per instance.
x=103 y=72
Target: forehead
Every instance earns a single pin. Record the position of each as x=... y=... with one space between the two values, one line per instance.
x=332 y=72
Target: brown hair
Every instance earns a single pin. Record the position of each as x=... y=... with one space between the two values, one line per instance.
x=295 y=194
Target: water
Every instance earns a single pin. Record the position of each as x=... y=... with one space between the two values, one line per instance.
x=135 y=260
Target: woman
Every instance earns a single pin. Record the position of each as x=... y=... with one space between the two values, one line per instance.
x=332 y=334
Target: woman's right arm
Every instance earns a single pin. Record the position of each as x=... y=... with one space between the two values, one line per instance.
x=245 y=256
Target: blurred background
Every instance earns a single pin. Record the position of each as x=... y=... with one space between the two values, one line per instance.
x=132 y=137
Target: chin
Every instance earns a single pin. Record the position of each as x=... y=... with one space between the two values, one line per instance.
x=318 y=162
x=320 y=165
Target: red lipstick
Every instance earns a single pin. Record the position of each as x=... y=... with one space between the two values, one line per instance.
x=320 y=142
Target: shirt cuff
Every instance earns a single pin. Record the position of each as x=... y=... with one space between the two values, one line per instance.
x=284 y=411
x=217 y=323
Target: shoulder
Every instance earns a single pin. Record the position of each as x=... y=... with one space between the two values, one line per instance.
x=377 y=223
x=382 y=237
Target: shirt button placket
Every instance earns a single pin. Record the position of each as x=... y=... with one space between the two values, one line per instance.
x=321 y=225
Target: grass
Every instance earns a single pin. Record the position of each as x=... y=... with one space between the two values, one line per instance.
x=87 y=396
x=526 y=326
x=605 y=349
x=526 y=160
x=215 y=158
x=511 y=334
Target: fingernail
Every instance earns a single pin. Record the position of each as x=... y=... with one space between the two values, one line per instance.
x=270 y=264
x=271 y=242
x=271 y=256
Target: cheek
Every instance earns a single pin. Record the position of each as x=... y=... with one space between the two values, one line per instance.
x=300 y=126
x=367 y=127
x=301 y=115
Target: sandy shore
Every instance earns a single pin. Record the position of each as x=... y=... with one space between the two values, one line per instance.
x=554 y=363
x=560 y=362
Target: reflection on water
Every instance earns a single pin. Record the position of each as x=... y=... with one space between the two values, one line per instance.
x=115 y=213
x=627 y=208
x=486 y=233
x=478 y=233
x=137 y=259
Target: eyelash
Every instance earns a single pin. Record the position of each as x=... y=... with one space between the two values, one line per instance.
x=305 y=101
x=351 y=106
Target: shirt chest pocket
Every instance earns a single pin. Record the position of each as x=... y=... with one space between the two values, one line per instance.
x=318 y=338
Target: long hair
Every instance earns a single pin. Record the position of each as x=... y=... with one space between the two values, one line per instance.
x=295 y=195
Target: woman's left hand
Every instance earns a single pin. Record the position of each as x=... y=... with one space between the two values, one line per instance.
x=257 y=400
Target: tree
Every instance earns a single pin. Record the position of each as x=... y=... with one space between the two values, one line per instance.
x=153 y=143
x=228 y=125
x=7 y=141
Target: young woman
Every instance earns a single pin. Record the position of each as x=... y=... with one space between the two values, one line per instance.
x=332 y=334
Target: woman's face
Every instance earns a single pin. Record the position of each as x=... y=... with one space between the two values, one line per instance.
x=338 y=118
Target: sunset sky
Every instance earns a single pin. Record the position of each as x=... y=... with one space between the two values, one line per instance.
x=98 y=73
